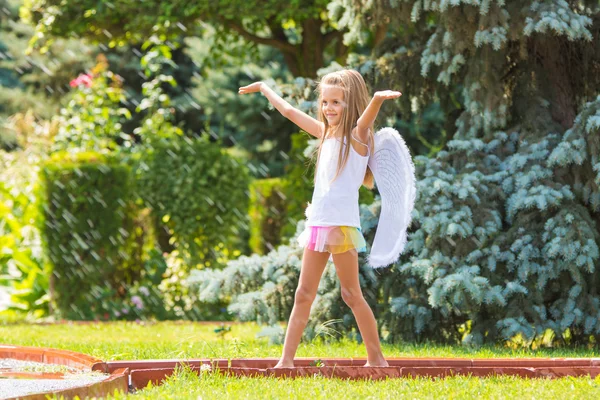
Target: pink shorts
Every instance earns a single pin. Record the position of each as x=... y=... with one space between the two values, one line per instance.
x=333 y=239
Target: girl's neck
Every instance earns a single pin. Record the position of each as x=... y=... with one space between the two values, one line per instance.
x=332 y=132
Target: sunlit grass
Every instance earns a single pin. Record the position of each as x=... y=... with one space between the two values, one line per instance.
x=188 y=385
x=128 y=341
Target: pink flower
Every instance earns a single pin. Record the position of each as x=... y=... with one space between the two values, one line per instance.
x=83 y=79
x=137 y=301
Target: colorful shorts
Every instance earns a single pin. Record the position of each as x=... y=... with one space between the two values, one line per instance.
x=333 y=239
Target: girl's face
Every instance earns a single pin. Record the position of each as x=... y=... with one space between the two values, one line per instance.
x=332 y=104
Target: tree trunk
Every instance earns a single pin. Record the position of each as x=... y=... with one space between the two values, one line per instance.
x=307 y=57
x=553 y=54
x=313 y=45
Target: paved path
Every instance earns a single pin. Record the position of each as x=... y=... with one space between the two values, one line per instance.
x=19 y=387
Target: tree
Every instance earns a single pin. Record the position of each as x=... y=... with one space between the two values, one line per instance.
x=506 y=234
x=301 y=29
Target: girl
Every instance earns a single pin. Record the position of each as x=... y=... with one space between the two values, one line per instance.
x=345 y=129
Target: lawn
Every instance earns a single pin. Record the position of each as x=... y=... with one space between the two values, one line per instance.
x=127 y=341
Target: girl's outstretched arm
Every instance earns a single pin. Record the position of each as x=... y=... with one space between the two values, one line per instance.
x=368 y=116
x=303 y=120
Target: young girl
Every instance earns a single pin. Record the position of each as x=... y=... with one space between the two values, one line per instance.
x=345 y=129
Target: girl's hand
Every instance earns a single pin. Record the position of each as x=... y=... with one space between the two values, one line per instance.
x=387 y=94
x=252 y=88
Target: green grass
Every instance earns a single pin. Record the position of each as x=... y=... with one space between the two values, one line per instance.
x=187 y=385
x=128 y=341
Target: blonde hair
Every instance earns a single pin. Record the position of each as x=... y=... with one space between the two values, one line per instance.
x=356 y=97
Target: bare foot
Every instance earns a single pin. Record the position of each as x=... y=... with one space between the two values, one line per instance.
x=377 y=364
x=284 y=364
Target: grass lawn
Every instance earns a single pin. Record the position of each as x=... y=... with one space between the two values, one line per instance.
x=128 y=341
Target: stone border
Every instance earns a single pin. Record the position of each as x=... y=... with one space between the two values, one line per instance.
x=144 y=371
x=117 y=380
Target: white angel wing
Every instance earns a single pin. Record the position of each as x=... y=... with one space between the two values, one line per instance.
x=394 y=174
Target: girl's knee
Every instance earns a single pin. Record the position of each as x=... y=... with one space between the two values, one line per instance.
x=352 y=297
x=304 y=295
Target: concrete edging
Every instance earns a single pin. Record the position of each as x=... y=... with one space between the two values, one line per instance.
x=117 y=380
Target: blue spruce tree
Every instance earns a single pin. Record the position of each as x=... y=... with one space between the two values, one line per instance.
x=505 y=239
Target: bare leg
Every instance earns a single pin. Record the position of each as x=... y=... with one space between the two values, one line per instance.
x=313 y=265
x=346 y=266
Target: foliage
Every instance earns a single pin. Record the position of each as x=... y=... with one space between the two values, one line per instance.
x=182 y=179
x=160 y=293
x=92 y=119
x=298 y=183
x=302 y=30
x=32 y=83
x=137 y=63
x=143 y=300
x=46 y=76
x=180 y=299
x=266 y=213
x=24 y=267
x=87 y=221
x=197 y=191
x=494 y=253
x=244 y=121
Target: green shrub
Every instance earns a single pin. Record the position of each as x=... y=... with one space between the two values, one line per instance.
x=197 y=194
x=22 y=264
x=267 y=214
x=180 y=298
x=88 y=229
x=298 y=183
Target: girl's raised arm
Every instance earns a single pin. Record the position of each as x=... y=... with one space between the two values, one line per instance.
x=368 y=116
x=303 y=120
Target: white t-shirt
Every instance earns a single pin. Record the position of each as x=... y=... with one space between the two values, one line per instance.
x=336 y=203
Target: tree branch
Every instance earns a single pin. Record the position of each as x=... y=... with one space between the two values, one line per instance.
x=276 y=30
x=284 y=46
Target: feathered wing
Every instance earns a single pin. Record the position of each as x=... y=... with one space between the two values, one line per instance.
x=394 y=174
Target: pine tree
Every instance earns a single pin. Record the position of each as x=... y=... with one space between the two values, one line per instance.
x=506 y=235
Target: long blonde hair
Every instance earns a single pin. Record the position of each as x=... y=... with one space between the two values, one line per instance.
x=356 y=97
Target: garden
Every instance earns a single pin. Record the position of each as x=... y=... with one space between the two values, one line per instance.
x=151 y=212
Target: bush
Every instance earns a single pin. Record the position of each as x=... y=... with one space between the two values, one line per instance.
x=180 y=298
x=87 y=224
x=198 y=193
x=267 y=214
x=297 y=184
x=22 y=264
